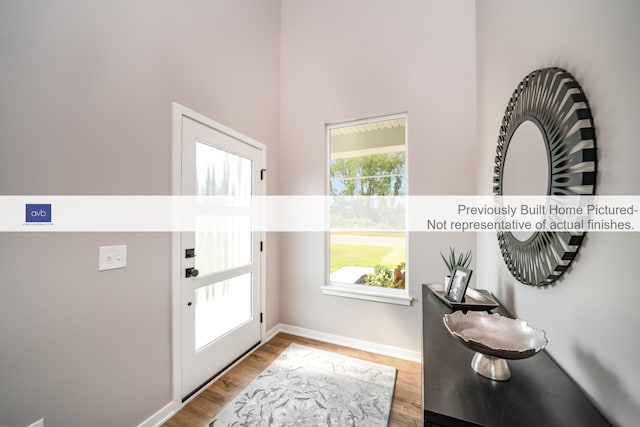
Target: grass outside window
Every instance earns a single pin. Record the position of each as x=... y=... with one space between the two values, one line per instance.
x=365 y=256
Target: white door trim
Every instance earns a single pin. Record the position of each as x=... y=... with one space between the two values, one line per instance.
x=177 y=112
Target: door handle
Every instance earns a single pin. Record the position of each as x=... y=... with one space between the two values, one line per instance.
x=191 y=272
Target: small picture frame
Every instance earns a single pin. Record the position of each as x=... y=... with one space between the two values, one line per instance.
x=458 y=284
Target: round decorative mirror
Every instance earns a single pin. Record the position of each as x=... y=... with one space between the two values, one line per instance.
x=546 y=146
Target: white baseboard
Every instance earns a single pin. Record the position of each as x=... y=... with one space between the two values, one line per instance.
x=272 y=333
x=159 y=417
x=386 y=350
x=39 y=423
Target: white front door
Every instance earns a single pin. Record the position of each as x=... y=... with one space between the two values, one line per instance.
x=221 y=267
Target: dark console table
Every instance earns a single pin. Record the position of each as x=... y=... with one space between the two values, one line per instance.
x=538 y=394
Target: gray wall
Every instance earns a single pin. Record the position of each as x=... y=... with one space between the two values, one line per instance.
x=591 y=316
x=85 y=108
x=349 y=60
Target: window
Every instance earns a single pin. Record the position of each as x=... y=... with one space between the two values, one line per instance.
x=367 y=173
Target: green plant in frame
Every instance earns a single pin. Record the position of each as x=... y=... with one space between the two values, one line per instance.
x=386 y=277
x=456 y=260
x=381 y=276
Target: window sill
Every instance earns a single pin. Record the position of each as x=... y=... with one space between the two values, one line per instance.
x=367 y=294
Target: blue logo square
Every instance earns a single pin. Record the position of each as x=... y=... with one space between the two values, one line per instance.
x=38 y=213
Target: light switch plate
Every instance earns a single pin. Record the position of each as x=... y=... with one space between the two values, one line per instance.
x=111 y=257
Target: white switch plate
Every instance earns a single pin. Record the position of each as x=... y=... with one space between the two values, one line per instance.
x=39 y=423
x=110 y=257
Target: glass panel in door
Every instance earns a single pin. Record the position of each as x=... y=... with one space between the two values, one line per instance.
x=221 y=307
x=222 y=242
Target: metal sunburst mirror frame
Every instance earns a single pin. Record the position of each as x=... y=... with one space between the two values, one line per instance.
x=555 y=102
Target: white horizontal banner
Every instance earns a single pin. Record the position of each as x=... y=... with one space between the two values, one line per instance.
x=320 y=213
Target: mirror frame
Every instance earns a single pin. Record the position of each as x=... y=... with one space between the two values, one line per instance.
x=555 y=102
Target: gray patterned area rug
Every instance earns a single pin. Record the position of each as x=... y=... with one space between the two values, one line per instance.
x=309 y=387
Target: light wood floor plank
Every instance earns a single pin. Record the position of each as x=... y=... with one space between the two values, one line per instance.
x=406 y=407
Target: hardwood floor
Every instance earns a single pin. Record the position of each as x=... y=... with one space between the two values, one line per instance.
x=406 y=407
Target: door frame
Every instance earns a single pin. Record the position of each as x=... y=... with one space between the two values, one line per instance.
x=177 y=113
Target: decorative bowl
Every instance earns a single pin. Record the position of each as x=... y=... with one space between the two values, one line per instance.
x=494 y=338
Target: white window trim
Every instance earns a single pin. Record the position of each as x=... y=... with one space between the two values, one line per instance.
x=363 y=292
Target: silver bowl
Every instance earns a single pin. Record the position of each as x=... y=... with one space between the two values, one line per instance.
x=494 y=338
